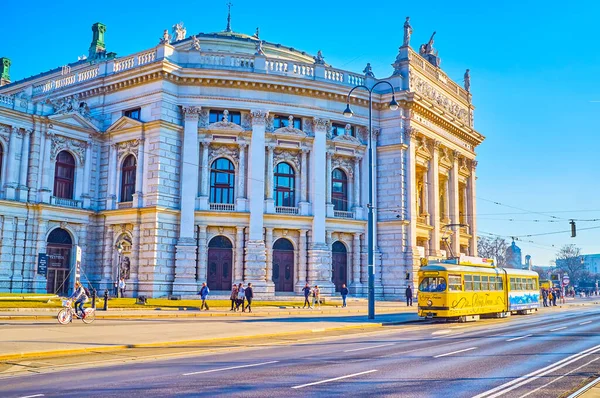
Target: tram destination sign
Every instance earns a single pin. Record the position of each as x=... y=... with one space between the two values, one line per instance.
x=42 y=268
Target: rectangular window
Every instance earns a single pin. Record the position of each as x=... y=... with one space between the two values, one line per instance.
x=133 y=113
x=468 y=282
x=215 y=116
x=338 y=129
x=476 y=282
x=513 y=284
x=454 y=283
x=284 y=121
x=485 y=283
x=498 y=283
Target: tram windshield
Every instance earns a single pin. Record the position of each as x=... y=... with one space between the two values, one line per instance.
x=432 y=284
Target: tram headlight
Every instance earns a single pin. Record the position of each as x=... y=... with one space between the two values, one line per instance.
x=429 y=303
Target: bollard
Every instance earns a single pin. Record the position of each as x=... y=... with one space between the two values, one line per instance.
x=106 y=300
x=93 y=298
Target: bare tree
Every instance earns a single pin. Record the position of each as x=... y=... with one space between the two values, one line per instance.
x=494 y=248
x=569 y=260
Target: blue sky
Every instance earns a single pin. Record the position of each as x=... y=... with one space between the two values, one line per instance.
x=534 y=73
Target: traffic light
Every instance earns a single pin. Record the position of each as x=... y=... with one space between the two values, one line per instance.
x=573 y=229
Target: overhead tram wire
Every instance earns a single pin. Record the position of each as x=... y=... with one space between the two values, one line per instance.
x=521 y=209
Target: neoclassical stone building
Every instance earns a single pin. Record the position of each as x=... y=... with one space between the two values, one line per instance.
x=224 y=158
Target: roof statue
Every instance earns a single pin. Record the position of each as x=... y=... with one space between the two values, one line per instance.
x=256 y=33
x=468 y=80
x=166 y=38
x=368 y=71
x=228 y=28
x=179 y=32
x=319 y=59
x=407 y=32
x=195 y=43
x=259 y=48
x=429 y=53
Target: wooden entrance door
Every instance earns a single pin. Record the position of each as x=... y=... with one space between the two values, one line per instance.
x=220 y=258
x=283 y=266
x=339 y=265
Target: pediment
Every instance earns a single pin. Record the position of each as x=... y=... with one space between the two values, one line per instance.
x=124 y=123
x=74 y=119
x=225 y=126
x=290 y=131
x=347 y=138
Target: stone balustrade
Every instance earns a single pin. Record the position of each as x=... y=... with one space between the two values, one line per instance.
x=65 y=202
x=287 y=210
x=7 y=100
x=343 y=214
x=222 y=206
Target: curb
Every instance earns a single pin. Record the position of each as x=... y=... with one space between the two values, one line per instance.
x=73 y=351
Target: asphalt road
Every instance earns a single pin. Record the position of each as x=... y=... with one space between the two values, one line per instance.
x=541 y=355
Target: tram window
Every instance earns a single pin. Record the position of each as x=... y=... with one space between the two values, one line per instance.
x=492 y=283
x=454 y=283
x=513 y=284
x=468 y=282
x=535 y=285
x=484 y=283
x=521 y=284
x=476 y=282
x=499 y=283
x=432 y=284
x=530 y=284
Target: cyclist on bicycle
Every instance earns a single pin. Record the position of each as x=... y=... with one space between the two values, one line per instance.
x=80 y=298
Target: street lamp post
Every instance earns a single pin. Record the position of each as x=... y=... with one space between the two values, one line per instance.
x=371 y=220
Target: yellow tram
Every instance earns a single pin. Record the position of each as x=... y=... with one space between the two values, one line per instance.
x=468 y=288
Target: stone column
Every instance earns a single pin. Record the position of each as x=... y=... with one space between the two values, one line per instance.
x=10 y=185
x=241 y=179
x=472 y=210
x=355 y=286
x=25 y=150
x=255 y=266
x=319 y=255
x=185 y=250
x=112 y=178
x=433 y=176
x=138 y=196
x=270 y=202
x=302 y=279
x=46 y=188
x=202 y=255
x=135 y=248
x=377 y=253
x=205 y=175
x=426 y=189
x=303 y=183
x=107 y=275
x=39 y=281
x=238 y=274
x=269 y=246
x=454 y=207
x=411 y=174
x=329 y=206
x=87 y=166
x=357 y=181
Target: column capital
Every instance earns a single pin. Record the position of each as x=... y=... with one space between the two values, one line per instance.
x=242 y=144
x=474 y=165
x=191 y=112
x=410 y=133
x=437 y=145
x=239 y=230
x=320 y=124
x=259 y=117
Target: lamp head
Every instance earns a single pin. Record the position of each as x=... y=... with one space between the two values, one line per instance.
x=393 y=104
x=348 y=112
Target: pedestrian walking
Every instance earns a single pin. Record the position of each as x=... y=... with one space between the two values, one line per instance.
x=233 y=296
x=344 y=292
x=241 y=297
x=249 y=296
x=122 y=286
x=409 y=296
x=204 y=295
x=545 y=297
x=316 y=297
x=306 y=291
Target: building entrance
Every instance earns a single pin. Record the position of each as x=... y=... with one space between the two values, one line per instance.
x=283 y=265
x=220 y=256
x=339 y=265
x=58 y=248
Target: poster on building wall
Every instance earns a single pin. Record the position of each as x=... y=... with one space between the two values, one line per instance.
x=42 y=268
x=77 y=264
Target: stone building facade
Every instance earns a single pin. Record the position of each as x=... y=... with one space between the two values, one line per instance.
x=224 y=158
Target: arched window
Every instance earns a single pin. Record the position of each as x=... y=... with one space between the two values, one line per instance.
x=285 y=183
x=128 y=178
x=339 y=190
x=64 y=175
x=222 y=179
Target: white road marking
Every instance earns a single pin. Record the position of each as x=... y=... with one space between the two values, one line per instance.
x=528 y=378
x=554 y=330
x=441 y=332
x=33 y=396
x=585 y=323
x=455 y=352
x=558 y=378
x=334 y=379
x=519 y=338
x=368 y=348
x=230 y=368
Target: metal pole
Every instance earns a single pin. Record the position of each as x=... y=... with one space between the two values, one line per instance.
x=371 y=220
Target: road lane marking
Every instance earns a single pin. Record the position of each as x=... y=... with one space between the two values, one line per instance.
x=558 y=378
x=585 y=323
x=230 y=368
x=33 y=396
x=455 y=352
x=334 y=379
x=528 y=378
x=519 y=338
x=557 y=329
x=368 y=348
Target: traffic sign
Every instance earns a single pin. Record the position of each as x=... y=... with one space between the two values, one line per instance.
x=566 y=280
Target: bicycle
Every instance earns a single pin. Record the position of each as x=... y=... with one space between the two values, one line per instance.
x=68 y=312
